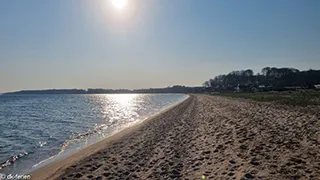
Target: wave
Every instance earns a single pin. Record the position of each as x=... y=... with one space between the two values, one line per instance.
x=12 y=160
x=81 y=136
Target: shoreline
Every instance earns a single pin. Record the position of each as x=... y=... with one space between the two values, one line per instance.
x=206 y=137
x=56 y=168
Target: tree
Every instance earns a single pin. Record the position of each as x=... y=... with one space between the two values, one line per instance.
x=270 y=76
x=206 y=84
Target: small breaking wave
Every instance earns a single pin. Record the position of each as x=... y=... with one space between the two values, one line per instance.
x=12 y=160
x=81 y=136
x=72 y=140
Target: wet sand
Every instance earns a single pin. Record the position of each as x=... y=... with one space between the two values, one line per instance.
x=207 y=137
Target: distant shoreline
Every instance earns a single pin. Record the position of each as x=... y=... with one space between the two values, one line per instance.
x=173 y=89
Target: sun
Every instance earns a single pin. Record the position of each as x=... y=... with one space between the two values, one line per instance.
x=120 y=4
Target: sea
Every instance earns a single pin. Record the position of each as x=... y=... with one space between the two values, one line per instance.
x=36 y=130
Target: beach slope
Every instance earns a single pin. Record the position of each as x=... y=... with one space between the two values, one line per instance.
x=206 y=137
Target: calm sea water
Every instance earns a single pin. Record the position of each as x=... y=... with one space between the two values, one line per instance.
x=38 y=129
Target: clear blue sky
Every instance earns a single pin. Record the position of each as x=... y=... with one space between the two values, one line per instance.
x=152 y=43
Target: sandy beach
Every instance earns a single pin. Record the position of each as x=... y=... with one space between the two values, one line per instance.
x=205 y=137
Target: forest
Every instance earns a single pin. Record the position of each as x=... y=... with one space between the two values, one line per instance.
x=270 y=78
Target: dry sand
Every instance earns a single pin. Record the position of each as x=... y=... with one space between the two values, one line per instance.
x=205 y=136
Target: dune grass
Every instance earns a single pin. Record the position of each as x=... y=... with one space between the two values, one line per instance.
x=299 y=98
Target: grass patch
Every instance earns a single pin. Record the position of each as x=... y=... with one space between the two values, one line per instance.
x=299 y=98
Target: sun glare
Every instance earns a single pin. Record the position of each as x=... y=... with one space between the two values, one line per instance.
x=124 y=100
x=120 y=4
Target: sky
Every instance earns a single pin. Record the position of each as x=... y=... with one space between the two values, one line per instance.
x=48 y=44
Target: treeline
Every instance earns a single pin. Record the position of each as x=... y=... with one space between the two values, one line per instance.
x=271 y=78
x=173 y=89
x=50 y=91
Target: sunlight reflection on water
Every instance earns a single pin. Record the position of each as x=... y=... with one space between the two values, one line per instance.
x=46 y=125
